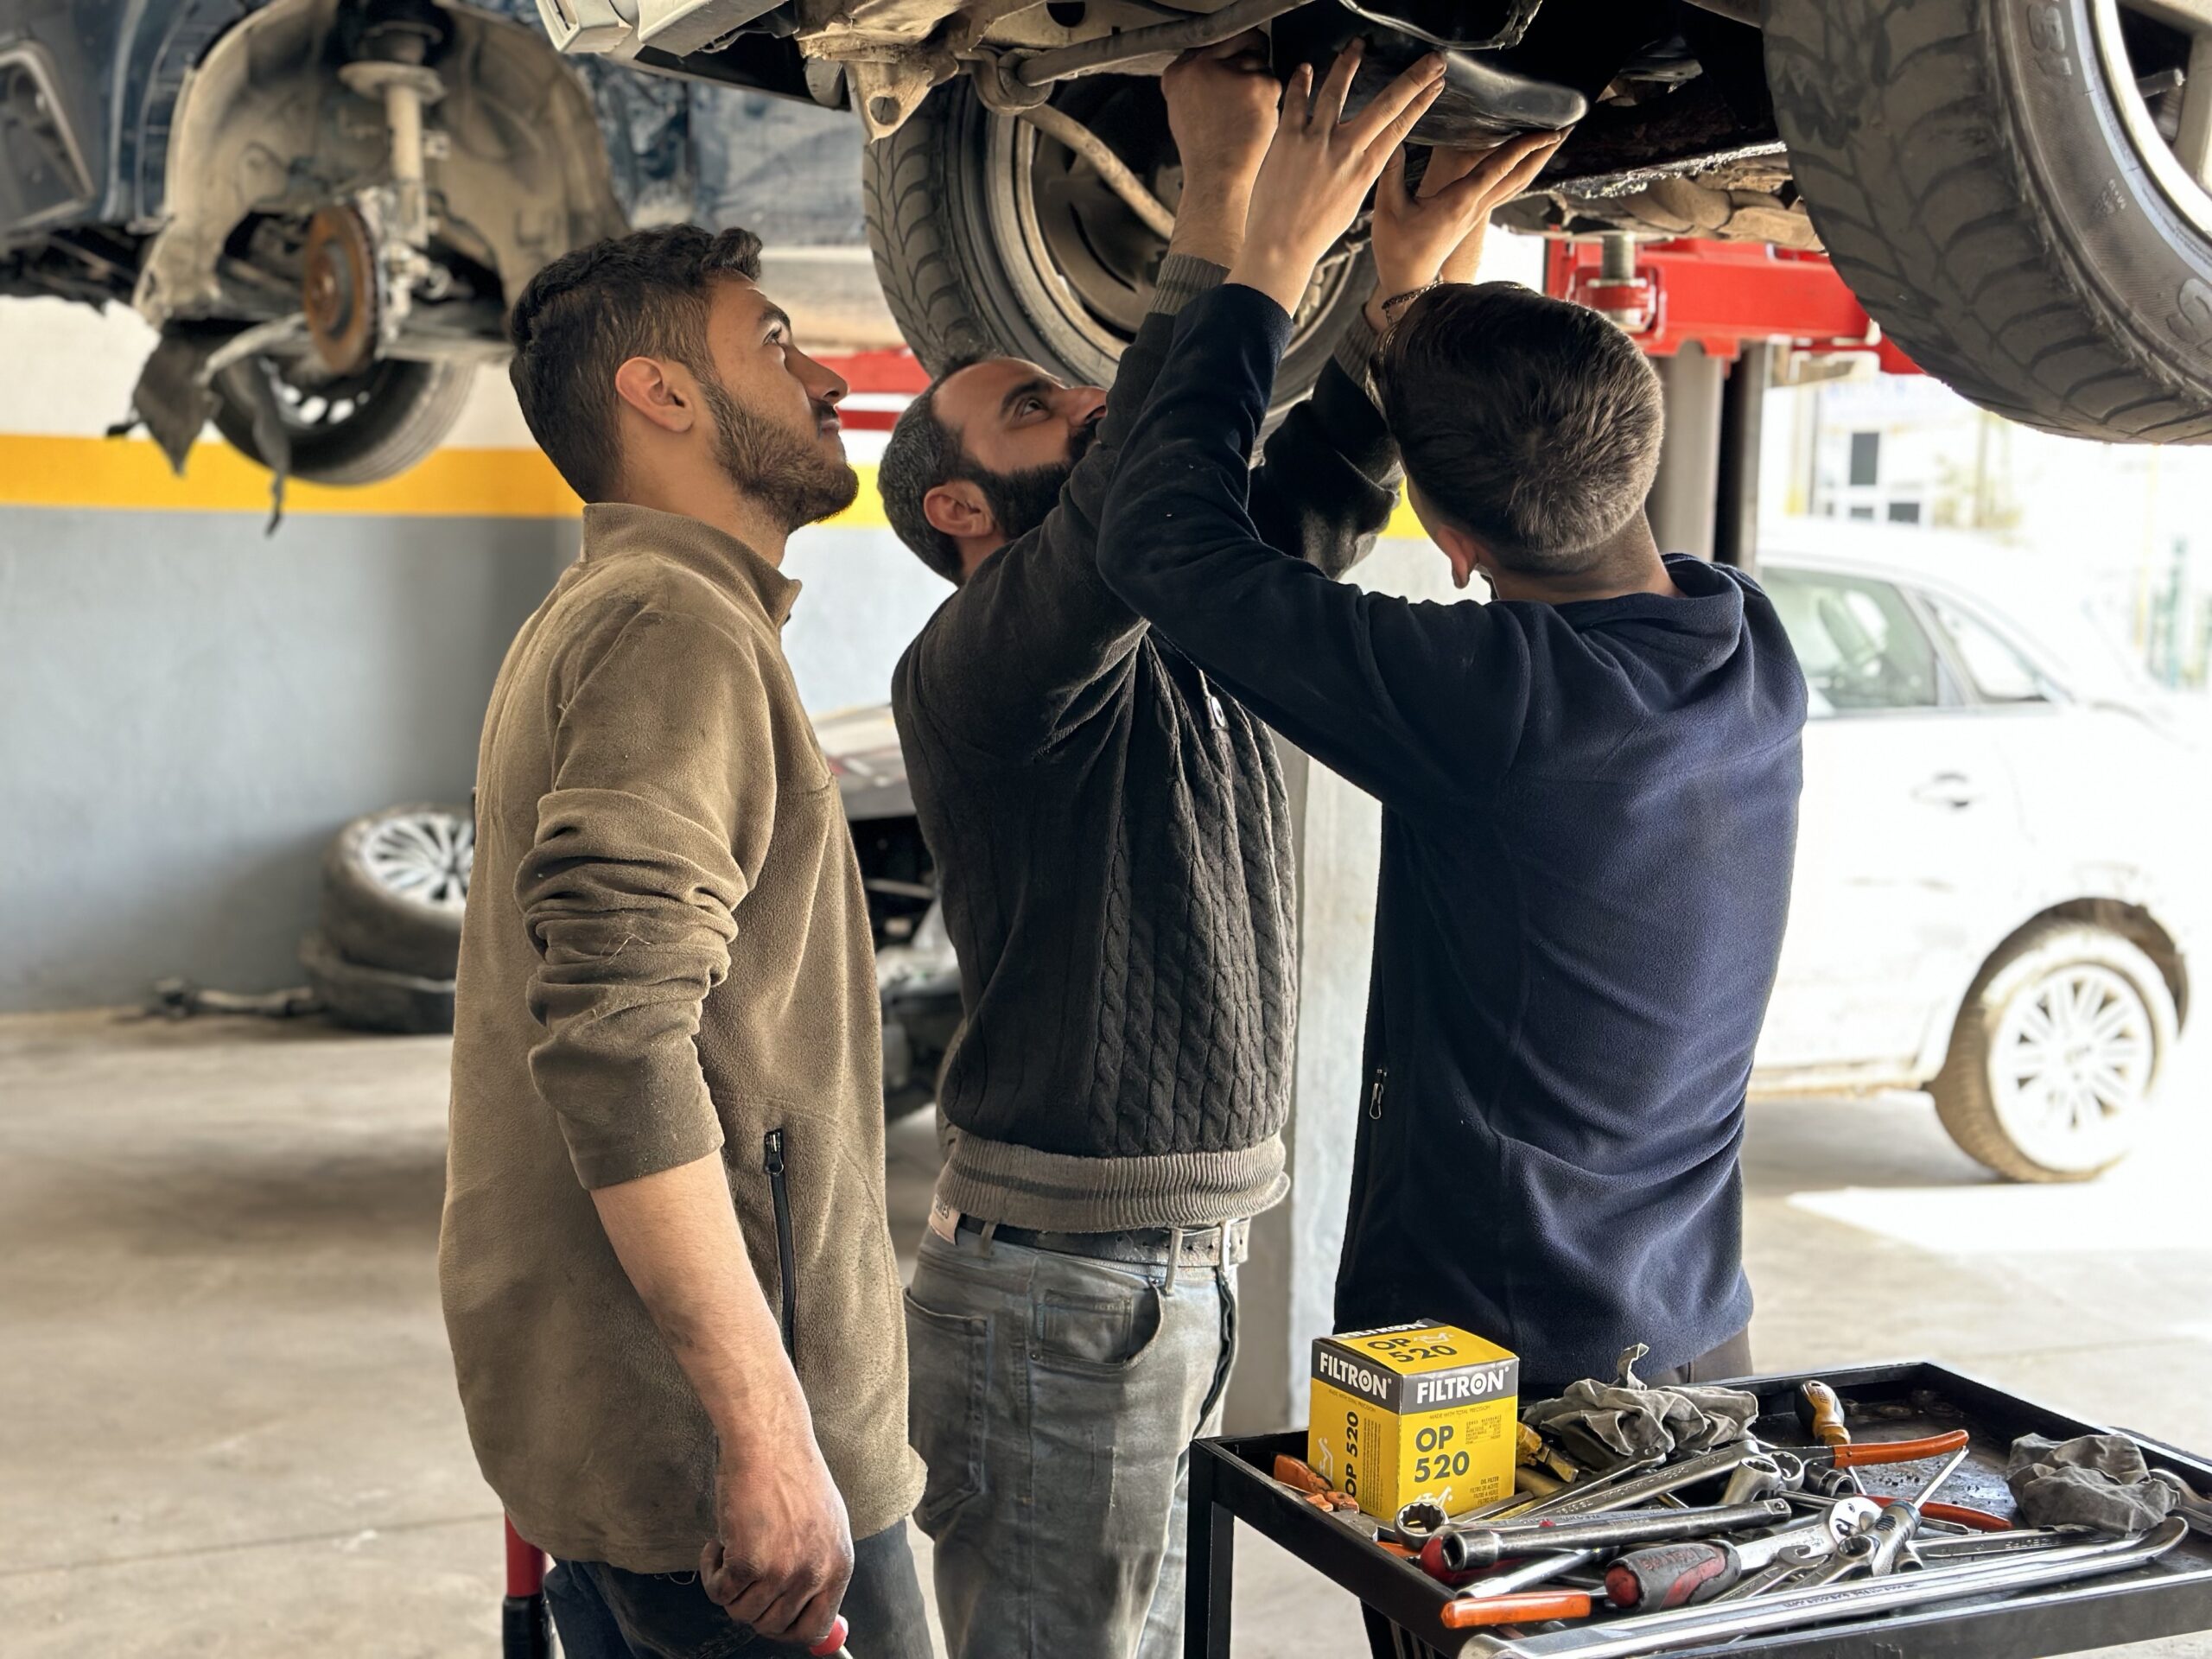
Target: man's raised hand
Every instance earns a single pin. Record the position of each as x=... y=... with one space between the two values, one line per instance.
x=1436 y=235
x=1221 y=109
x=1319 y=168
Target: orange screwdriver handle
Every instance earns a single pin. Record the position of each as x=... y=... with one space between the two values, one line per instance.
x=1473 y=1612
x=1820 y=1410
x=833 y=1643
x=1859 y=1454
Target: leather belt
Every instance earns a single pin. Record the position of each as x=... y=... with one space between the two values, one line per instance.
x=1226 y=1245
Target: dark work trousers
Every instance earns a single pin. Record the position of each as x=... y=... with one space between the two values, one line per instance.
x=605 y=1613
x=1732 y=1358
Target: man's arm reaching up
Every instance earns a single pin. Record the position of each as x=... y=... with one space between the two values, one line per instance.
x=1005 y=664
x=659 y=819
x=1411 y=701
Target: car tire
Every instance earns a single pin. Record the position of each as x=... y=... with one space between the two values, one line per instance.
x=988 y=239
x=374 y=999
x=393 y=887
x=358 y=429
x=2036 y=1013
x=1989 y=180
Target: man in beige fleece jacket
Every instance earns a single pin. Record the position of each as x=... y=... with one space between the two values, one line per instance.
x=667 y=1273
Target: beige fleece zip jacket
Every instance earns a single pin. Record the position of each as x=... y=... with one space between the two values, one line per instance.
x=666 y=955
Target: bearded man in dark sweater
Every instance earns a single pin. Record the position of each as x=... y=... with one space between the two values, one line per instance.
x=1114 y=845
x=1589 y=787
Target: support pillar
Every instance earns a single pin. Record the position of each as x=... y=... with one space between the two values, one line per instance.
x=1682 y=505
x=1743 y=405
x=1287 y=1289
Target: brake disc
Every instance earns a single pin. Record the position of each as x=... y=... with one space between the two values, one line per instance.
x=341 y=290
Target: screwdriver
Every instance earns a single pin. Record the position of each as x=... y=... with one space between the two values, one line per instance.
x=1473 y=1612
x=832 y=1646
x=1820 y=1411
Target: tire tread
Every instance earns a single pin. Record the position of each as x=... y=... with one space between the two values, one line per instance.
x=1952 y=212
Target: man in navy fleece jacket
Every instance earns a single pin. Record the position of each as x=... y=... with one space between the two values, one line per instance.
x=1589 y=788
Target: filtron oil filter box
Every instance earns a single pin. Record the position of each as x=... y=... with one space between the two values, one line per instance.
x=1414 y=1411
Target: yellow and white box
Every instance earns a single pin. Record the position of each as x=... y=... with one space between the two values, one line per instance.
x=1414 y=1411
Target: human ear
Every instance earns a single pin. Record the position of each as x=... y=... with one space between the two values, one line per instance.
x=958 y=510
x=647 y=385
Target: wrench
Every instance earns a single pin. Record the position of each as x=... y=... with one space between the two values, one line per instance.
x=1684 y=1574
x=1786 y=1565
x=1779 y=1610
x=1669 y=1477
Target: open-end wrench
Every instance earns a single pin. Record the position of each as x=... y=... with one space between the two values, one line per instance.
x=1465 y=1549
x=1682 y=1575
x=1983 y=1546
x=1667 y=1477
x=1776 y=1573
x=1520 y=1507
x=1684 y=1627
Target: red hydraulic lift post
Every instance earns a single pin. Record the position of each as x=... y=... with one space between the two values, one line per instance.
x=1710 y=314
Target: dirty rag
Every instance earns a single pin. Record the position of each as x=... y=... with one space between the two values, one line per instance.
x=2097 y=1480
x=1639 y=1420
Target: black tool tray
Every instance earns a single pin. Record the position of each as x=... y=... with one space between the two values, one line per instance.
x=1230 y=1482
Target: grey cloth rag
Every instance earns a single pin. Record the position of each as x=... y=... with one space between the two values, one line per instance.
x=1638 y=1421
x=2098 y=1480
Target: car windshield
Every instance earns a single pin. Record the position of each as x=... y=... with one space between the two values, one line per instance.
x=1858 y=641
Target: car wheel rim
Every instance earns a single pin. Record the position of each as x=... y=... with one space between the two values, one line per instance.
x=311 y=400
x=2155 y=57
x=2070 y=1067
x=1094 y=258
x=422 y=857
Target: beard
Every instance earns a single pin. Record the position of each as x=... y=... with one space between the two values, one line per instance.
x=1020 y=501
x=784 y=471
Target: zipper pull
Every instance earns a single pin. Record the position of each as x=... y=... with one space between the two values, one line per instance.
x=1375 y=1095
x=772 y=1152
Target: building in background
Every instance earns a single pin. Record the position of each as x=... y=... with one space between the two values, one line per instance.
x=1902 y=450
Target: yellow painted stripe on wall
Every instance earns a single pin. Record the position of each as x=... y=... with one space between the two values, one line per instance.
x=130 y=474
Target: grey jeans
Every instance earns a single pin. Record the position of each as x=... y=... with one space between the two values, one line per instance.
x=1054 y=1398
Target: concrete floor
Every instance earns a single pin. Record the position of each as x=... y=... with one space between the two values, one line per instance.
x=227 y=1424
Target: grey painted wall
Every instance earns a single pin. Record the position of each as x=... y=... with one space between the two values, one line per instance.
x=189 y=709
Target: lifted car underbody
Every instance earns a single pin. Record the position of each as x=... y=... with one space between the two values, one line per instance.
x=1674 y=131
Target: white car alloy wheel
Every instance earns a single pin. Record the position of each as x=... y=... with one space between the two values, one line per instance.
x=422 y=854
x=2056 y=1054
x=2070 y=1067
x=395 y=883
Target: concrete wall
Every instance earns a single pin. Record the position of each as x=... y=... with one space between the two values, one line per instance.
x=191 y=710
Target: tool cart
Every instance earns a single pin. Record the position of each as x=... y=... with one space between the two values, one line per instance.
x=2094 y=1593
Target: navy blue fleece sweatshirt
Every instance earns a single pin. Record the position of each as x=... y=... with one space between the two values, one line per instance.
x=1590 y=815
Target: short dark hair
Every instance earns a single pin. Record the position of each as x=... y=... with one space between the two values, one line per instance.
x=1532 y=423
x=922 y=453
x=590 y=311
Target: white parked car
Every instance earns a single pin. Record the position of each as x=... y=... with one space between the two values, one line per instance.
x=1994 y=876
x=1991 y=868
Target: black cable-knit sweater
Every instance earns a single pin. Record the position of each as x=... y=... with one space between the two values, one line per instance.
x=1114 y=844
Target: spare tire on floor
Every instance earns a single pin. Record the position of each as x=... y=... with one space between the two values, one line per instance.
x=393 y=887
x=1992 y=180
x=375 y=999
